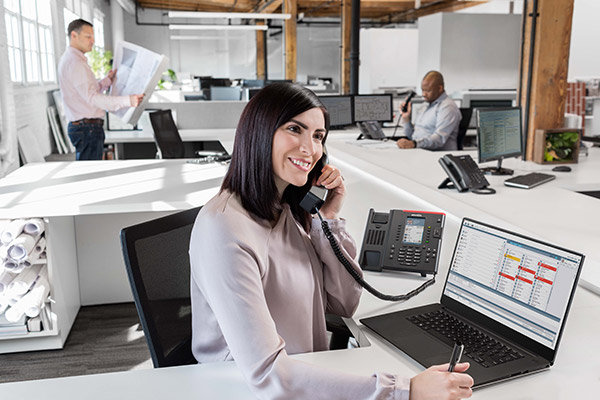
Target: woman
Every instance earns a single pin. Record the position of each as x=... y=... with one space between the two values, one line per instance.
x=263 y=274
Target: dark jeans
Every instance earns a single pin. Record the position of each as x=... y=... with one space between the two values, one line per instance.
x=88 y=139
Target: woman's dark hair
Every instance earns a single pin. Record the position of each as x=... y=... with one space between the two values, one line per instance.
x=250 y=175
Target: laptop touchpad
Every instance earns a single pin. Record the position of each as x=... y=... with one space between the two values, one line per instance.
x=424 y=346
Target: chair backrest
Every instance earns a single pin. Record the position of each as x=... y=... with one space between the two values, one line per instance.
x=157 y=261
x=166 y=135
x=466 y=114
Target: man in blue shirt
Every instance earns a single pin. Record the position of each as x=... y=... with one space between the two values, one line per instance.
x=436 y=127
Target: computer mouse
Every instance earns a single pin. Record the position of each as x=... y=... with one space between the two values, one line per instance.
x=562 y=168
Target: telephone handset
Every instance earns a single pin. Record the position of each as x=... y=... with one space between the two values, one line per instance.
x=402 y=240
x=370 y=130
x=312 y=202
x=465 y=175
x=408 y=99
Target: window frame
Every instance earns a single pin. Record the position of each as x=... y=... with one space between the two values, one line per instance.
x=40 y=58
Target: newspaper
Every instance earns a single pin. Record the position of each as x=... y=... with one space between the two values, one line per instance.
x=138 y=71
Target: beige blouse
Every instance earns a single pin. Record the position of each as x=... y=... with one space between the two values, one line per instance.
x=260 y=292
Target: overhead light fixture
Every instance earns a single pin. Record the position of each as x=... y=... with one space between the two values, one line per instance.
x=190 y=37
x=198 y=14
x=219 y=27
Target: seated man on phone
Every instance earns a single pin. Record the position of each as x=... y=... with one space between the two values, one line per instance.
x=436 y=127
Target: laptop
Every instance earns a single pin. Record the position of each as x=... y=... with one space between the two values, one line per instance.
x=506 y=298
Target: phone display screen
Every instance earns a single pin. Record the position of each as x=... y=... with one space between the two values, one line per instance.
x=413 y=232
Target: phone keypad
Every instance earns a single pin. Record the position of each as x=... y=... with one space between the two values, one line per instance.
x=412 y=255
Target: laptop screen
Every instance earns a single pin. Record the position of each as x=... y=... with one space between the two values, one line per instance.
x=521 y=283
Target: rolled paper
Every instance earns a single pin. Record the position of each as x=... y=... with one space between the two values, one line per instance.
x=33 y=302
x=12 y=230
x=40 y=246
x=3 y=306
x=12 y=266
x=24 y=281
x=13 y=314
x=3 y=252
x=13 y=300
x=21 y=247
x=33 y=258
x=34 y=227
x=6 y=277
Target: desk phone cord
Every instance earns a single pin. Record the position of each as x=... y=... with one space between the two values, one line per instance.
x=344 y=261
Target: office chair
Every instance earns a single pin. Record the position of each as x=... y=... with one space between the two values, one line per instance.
x=466 y=114
x=166 y=136
x=157 y=262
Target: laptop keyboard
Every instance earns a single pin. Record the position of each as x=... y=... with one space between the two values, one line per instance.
x=485 y=350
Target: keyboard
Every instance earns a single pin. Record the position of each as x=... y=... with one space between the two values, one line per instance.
x=483 y=349
x=529 y=181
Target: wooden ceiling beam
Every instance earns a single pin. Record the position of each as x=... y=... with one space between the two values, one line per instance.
x=430 y=8
x=267 y=6
x=386 y=11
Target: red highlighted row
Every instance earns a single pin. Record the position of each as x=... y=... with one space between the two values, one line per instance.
x=522 y=268
x=507 y=276
x=512 y=278
x=524 y=280
x=539 y=278
x=551 y=268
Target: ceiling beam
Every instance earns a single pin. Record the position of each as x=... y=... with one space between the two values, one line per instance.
x=430 y=8
x=267 y=6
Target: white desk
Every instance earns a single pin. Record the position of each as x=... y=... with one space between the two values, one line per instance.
x=553 y=212
x=576 y=374
x=86 y=204
x=381 y=179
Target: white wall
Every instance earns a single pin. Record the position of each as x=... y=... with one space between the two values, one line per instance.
x=478 y=51
x=584 y=58
x=319 y=52
x=233 y=53
x=388 y=58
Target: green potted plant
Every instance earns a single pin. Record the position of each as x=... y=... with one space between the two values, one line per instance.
x=556 y=146
x=169 y=77
x=100 y=61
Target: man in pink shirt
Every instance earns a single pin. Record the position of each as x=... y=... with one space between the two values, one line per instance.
x=82 y=94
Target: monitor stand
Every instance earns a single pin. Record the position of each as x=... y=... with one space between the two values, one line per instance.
x=497 y=170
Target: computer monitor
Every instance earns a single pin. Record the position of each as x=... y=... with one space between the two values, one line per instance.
x=253 y=83
x=339 y=108
x=225 y=93
x=499 y=136
x=373 y=107
x=487 y=98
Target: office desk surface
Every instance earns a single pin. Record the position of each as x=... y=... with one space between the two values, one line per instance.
x=107 y=187
x=576 y=373
x=553 y=212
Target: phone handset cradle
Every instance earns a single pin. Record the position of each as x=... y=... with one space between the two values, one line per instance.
x=313 y=200
x=464 y=174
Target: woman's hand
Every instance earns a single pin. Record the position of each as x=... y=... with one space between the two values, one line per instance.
x=331 y=178
x=436 y=383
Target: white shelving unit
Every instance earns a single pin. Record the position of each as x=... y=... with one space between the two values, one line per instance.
x=64 y=291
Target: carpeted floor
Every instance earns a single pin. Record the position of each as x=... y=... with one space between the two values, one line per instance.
x=106 y=338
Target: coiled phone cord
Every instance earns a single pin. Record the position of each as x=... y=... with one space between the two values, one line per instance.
x=342 y=259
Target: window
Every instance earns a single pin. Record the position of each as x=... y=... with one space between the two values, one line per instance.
x=99 y=32
x=29 y=39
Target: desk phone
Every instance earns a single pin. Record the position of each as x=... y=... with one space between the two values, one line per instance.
x=402 y=240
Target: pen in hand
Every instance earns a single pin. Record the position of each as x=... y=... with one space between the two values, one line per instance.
x=456 y=355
